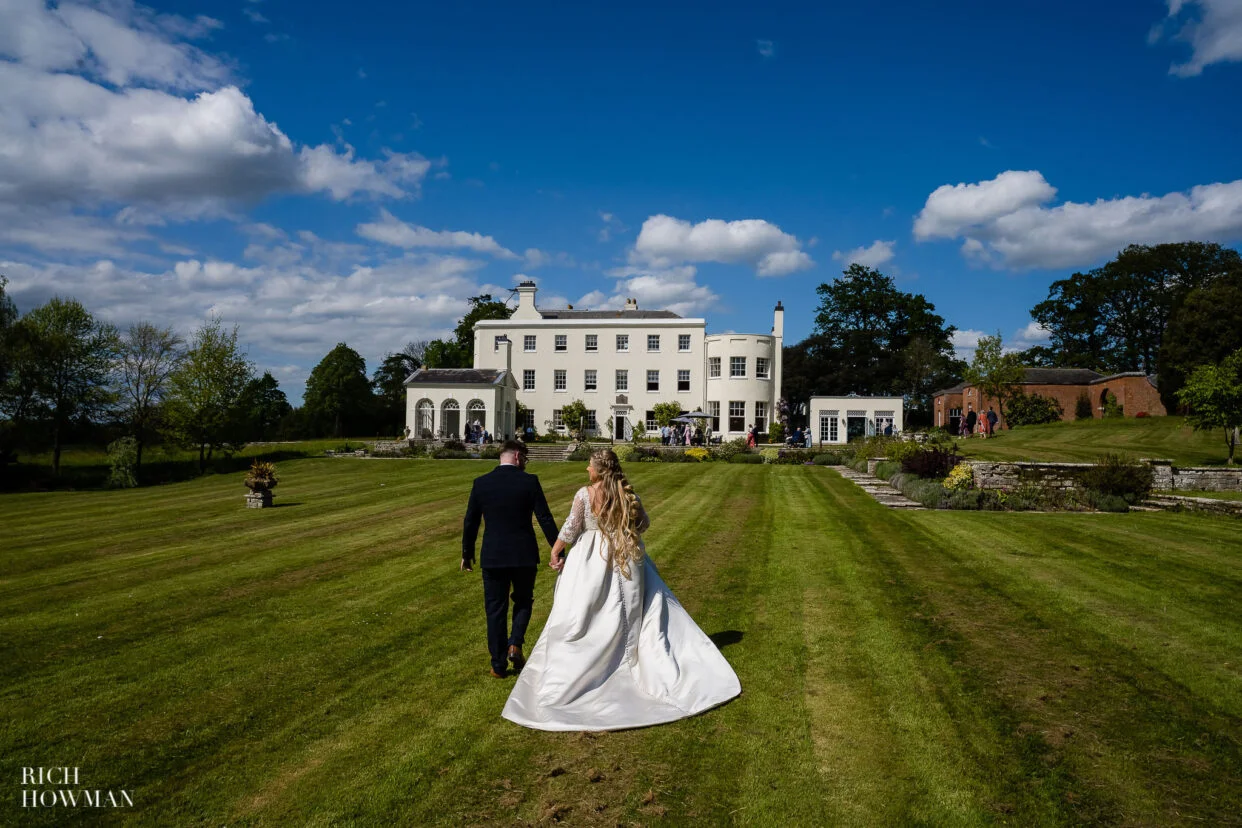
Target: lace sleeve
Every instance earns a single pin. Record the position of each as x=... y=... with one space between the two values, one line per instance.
x=644 y=522
x=576 y=520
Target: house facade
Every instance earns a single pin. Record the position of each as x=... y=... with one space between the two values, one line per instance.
x=1135 y=392
x=621 y=363
x=441 y=401
x=837 y=420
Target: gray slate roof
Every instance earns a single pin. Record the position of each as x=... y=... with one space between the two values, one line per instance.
x=608 y=314
x=456 y=376
x=1060 y=376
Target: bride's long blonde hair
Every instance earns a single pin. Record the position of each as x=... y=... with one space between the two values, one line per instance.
x=618 y=511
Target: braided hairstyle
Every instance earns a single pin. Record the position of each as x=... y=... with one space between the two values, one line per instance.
x=618 y=511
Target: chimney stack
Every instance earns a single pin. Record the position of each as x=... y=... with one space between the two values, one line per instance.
x=631 y=304
x=526 y=302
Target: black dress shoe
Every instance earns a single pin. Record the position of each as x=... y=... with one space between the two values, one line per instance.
x=501 y=674
x=515 y=656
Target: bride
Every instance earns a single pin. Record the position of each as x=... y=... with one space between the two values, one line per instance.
x=618 y=650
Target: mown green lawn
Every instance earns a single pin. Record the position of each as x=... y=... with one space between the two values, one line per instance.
x=1084 y=441
x=324 y=662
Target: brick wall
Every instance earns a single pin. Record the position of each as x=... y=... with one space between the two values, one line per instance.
x=1135 y=394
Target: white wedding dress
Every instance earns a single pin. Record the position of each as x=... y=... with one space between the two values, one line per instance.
x=616 y=652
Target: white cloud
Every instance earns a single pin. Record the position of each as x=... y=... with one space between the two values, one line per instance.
x=536 y=258
x=1004 y=221
x=1215 y=36
x=290 y=315
x=665 y=241
x=391 y=230
x=123 y=45
x=953 y=207
x=877 y=253
x=674 y=289
x=612 y=225
x=766 y=48
x=140 y=140
x=254 y=16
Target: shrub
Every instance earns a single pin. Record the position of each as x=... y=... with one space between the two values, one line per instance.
x=960 y=477
x=1032 y=409
x=1082 y=408
x=776 y=433
x=122 y=457
x=489 y=452
x=455 y=445
x=1121 y=477
x=581 y=452
x=624 y=451
x=900 y=450
x=932 y=461
x=725 y=451
x=769 y=455
x=886 y=469
x=859 y=464
x=1104 y=502
x=261 y=476
x=1111 y=407
x=965 y=499
x=746 y=458
x=675 y=457
x=446 y=453
x=794 y=457
x=929 y=493
x=644 y=454
x=829 y=459
x=699 y=454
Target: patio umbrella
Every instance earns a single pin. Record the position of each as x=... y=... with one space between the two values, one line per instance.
x=680 y=420
x=696 y=415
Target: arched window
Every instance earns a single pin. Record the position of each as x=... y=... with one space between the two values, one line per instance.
x=450 y=419
x=424 y=419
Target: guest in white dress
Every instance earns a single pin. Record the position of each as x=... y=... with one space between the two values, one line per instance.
x=618 y=650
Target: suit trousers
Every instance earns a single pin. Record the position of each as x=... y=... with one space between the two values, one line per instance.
x=498 y=581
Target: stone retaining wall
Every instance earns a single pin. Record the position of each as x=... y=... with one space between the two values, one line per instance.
x=1167 y=477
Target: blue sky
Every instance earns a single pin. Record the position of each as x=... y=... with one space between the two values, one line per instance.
x=316 y=176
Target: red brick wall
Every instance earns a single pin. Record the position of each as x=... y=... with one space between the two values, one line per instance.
x=1135 y=394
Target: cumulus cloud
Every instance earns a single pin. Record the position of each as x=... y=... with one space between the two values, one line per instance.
x=1214 y=35
x=1006 y=221
x=673 y=288
x=391 y=230
x=877 y=253
x=103 y=107
x=289 y=314
x=612 y=225
x=665 y=241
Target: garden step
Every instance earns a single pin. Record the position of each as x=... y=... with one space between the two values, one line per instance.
x=881 y=490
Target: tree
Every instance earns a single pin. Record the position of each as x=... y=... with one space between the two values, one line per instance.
x=8 y=318
x=871 y=338
x=574 y=416
x=1083 y=410
x=1033 y=409
x=388 y=385
x=665 y=412
x=337 y=392
x=1205 y=329
x=264 y=407
x=69 y=359
x=996 y=374
x=441 y=353
x=148 y=356
x=1113 y=318
x=481 y=307
x=202 y=405
x=1213 y=395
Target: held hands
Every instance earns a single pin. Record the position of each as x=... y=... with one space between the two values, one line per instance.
x=467 y=566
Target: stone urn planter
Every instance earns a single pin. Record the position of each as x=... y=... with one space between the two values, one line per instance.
x=260 y=480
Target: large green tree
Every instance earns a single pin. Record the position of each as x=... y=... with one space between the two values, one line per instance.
x=871 y=338
x=1203 y=331
x=388 y=385
x=67 y=358
x=1213 y=395
x=1113 y=318
x=995 y=373
x=338 y=394
x=8 y=318
x=264 y=406
x=458 y=352
x=203 y=403
x=148 y=356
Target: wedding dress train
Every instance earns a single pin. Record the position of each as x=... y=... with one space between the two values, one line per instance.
x=616 y=652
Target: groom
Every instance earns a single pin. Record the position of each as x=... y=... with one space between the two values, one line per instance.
x=505 y=498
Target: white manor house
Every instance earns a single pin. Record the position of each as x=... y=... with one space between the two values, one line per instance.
x=620 y=363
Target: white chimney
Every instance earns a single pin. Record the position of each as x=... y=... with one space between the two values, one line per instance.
x=631 y=304
x=526 y=302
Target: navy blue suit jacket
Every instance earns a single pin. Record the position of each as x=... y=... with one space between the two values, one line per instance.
x=505 y=499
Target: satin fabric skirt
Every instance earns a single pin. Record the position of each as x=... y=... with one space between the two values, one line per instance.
x=617 y=652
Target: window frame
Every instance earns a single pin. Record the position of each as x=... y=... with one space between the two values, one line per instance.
x=591 y=343
x=590 y=380
x=560 y=343
x=656 y=338
x=560 y=376
x=530 y=343
x=681 y=371
x=683 y=338
x=650 y=373
x=733 y=363
x=713 y=367
x=763 y=368
x=740 y=407
x=528 y=379
x=623 y=343
x=621 y=379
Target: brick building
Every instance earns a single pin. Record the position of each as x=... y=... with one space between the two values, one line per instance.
x=1135 y=392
